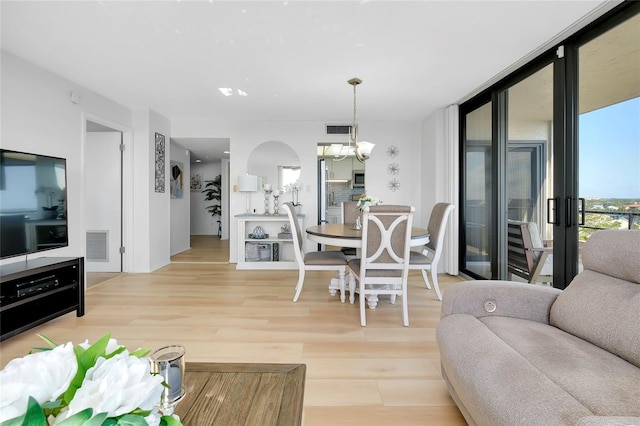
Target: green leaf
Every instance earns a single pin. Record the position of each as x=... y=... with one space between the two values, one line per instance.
x=110 y=422
x=169 y=421
x=46 y=339
x=97 y=420
x=79 y=419
x=33 y=417
x=132 y=420
x=16 y=421
x=141 y=352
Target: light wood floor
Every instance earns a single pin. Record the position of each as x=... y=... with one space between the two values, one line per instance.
x=204 y=249
x=382 y=374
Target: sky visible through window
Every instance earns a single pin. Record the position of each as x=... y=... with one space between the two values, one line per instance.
x=609 y=149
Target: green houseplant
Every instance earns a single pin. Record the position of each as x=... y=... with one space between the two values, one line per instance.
x=212 y=192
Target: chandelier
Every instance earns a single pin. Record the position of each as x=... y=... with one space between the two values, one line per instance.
x=362 y=149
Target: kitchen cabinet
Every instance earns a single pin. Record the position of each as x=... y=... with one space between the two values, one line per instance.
x=339 y=170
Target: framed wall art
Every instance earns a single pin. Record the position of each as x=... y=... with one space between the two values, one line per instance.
x=159 y=174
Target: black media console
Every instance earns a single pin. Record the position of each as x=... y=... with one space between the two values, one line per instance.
x=38 y=290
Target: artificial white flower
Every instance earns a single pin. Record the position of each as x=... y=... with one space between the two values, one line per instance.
x=117 y=386
x=43 y=375
x=368 y=201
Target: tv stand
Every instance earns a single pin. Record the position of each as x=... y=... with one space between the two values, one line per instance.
x=35 y=291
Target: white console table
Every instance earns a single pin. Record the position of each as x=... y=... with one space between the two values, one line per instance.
x=264 y=247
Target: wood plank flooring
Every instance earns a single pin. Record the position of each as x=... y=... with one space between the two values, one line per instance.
x=381 y=374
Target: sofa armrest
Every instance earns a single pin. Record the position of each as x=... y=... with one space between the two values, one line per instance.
x=499 y=298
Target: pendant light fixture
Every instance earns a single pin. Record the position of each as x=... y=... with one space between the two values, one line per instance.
x=362 y=149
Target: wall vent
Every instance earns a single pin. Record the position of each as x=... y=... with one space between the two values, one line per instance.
x=338 y=129
x=97 y=246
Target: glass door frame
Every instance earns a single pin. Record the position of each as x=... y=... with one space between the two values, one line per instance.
x=564 y=205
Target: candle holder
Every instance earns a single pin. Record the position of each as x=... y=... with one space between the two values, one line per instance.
x=267 y=195
x=276 y=195
x=168 y=362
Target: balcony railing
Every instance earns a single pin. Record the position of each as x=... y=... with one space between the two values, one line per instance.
x=608 y=219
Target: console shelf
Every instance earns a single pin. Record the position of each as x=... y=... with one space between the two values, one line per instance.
x=36 y=291
x=258 y=253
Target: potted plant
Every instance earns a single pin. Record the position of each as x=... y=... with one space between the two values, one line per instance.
x=213 y=192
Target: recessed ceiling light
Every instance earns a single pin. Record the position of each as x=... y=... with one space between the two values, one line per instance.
x=198 y=161
x=226 y=152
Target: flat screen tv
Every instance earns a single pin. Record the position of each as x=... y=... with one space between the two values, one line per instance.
x=33 y=203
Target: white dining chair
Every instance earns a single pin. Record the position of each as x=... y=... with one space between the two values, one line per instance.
x=349 y=214
x=383 y=267
x=314 y=261
x=428 y=258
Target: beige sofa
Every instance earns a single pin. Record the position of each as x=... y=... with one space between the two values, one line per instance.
x=523 y=354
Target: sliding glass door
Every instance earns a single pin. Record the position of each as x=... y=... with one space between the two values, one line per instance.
x=555 y=146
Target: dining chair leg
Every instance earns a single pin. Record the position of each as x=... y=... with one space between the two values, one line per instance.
x=434 y=278
x=405 y=307
x=299 y=285
x=342 y=273
x=352 y=289
x=363 y=317
x=425 y=278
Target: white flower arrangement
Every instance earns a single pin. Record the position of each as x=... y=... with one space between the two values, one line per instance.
x=365 y=201
x=102 y=384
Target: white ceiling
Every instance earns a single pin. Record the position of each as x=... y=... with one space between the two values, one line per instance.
x=291 y=58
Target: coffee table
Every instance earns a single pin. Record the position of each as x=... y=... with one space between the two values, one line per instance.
x=242 y=394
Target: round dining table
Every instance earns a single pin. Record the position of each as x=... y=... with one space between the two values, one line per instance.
x=344 y=235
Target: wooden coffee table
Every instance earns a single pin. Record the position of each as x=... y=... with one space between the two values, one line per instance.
x=242 y=394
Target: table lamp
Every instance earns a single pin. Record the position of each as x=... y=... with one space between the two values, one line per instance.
x=248 y=184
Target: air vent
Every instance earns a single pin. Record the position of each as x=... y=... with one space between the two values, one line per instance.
x=338 y=129
x=97 y=246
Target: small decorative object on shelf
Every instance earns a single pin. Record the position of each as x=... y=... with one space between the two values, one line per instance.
x=276 y=194
x=258 y=233
x=286 y=232
x=101 y=383
x=267 y=194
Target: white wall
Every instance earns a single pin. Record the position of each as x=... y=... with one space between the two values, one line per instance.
x=38 y=116
x=303 y=138
x=180 y=207
x=202 y=223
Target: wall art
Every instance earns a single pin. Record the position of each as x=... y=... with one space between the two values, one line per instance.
x=196 y=182
x=394 y=185
x=159 y=163
x=175 y=182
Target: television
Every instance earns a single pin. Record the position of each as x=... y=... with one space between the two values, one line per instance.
x=33 y=203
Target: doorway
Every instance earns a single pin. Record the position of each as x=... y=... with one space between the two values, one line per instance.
x=103 y=200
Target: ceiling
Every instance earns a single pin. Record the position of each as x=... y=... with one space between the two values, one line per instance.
x=292 y=59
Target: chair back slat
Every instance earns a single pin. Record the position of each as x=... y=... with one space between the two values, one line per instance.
x=386 y=236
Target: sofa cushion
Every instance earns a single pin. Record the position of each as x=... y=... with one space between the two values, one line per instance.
x=495 y=383
x=604 y=383
x=602 y=303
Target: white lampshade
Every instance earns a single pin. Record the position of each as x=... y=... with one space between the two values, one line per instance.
x=248 y=183
x=365 y=148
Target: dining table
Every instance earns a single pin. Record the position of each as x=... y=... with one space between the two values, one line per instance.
x=346 y=235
